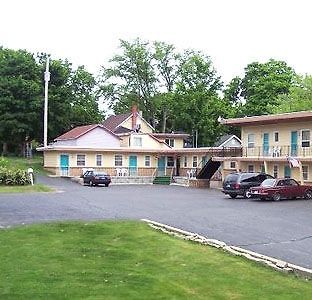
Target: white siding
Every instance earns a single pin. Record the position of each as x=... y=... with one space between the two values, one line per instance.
x=98 y=138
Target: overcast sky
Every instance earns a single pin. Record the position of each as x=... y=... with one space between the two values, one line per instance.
x=232 y=33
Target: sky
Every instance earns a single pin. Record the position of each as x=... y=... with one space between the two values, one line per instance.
x=232 y=33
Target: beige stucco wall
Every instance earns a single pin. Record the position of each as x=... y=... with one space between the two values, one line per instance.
x=144 y=127
x=284 y=131
x=178 y=142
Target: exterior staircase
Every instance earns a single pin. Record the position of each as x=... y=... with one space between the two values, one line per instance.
x=208 y=169
x=165 y=180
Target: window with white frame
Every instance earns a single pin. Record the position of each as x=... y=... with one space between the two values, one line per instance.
x=305 y=138
x=276 y=137
x=194 y=161
x=185 y=161
x=118 y=160
x=251 y=140
x=81 y=159
x=275 y=171
x=170 y=142
x=251 y=168
x=98 y=159
x=232 y=165
x=147 y=161
x=170 y=161
x=305 y=172
x=137 y=141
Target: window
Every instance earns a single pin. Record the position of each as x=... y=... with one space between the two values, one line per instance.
x=147 y=161
x=251 y=168
x=81 y=160
x=118 y=160
x=185 y=161
x=262 y=168
x=251 y=140
x=276 y=137
x=170 y=142
x=275 y=171
x=98 y=160
x=305 y=138
x=232 y=165
x=194 y=161
x=137 y=141
x=170 y=161
x=305 y=172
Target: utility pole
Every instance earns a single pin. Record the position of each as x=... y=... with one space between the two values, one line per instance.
x=45 y=121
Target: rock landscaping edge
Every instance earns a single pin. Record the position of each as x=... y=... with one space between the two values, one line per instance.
x=274 y=263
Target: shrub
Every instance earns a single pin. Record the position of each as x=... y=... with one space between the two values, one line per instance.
x=13 y=177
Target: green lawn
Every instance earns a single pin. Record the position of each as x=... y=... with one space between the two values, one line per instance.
x=128 y=260
x=25 y=188
x=23 y=163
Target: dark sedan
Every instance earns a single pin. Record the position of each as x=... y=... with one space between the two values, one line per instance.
x=95 y=178
x=283 y=188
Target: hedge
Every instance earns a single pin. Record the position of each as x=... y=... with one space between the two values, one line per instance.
x=13 y=177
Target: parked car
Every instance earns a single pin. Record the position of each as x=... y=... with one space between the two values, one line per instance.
x=282 y=188
x=238 y=184
x=95 y=178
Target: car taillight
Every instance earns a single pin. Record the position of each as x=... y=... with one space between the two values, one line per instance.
x=236 y=186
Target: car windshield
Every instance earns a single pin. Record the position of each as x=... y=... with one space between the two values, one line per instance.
x=268 y=183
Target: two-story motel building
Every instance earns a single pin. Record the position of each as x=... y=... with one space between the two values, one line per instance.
x=269 y=140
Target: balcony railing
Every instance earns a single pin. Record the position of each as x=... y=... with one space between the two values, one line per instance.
x=278 y=151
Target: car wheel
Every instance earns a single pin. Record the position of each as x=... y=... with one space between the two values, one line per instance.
x=247 y=194
x=262 y=198
x=276 y=197
x=308 y=195
x=233 y=196
x=90 y=183
x=106 y=184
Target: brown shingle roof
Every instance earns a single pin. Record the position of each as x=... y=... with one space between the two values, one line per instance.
x=270 y=119
x=81 y=130
x=113 y=121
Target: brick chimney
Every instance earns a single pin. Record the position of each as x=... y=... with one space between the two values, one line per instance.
x=134 y=111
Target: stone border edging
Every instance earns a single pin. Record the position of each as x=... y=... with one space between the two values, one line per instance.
x=274 y=263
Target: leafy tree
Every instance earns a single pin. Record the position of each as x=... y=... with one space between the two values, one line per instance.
x=263 y=83
x=85 y=107
x=131 y=79
x=198 y=105
x=19 y=97
x=299 y=97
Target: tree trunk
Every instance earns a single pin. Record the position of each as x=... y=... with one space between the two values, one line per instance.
x=164 y=123
x=4 y=148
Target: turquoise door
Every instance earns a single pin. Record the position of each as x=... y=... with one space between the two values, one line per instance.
x=64 y=164
x=287 y=172
x=294 y=143
x=265 y=144
x=161 y=166
x=133 y=165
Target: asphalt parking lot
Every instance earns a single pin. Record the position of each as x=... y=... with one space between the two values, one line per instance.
x=279 y=229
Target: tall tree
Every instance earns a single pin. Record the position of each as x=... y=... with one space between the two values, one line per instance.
x=263 y=83
x=131 y=79
x=299 y=97
x=19 y=97
x=197 y=103
x=85 y=106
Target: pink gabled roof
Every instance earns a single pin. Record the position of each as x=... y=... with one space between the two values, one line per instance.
x=81 y=130
x=112 y=122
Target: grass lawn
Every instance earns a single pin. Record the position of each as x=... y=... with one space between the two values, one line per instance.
x=25 y=188
x=24 y=163
x=129 y=260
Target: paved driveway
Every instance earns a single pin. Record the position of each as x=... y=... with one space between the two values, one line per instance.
x=279 y=229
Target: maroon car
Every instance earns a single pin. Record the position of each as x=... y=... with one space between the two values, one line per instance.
x=277 y=189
